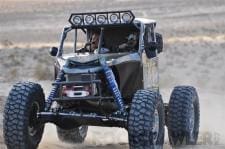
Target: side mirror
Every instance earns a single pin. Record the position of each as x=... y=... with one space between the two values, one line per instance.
x=53 y=51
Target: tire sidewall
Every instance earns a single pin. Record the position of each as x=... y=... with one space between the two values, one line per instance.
x=160 y=108
x=35 y=98
x=192 y=138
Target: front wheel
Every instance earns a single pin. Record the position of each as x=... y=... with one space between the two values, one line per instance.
x=21 y=127
x=146 y=121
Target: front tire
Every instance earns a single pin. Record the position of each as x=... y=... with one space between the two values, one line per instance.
x=75 y=135
x=183 y=116
x=146 y=121
x=21 y=128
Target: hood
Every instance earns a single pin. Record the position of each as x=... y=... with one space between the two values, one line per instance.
x=83 y=63
x=88 y=58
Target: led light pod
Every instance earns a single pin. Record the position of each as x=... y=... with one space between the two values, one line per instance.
x=77 y=20
x=126 y=17
x=101 y=19
x=114 y=18
x=89 y=19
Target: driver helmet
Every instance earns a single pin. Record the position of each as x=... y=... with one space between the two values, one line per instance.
x=132 y=40
x=132 y=37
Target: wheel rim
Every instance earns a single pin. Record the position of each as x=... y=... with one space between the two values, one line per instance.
x=155 y=128
x=191 y=122
x=33 y=122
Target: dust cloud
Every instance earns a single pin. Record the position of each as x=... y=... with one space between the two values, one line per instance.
x=194 y=43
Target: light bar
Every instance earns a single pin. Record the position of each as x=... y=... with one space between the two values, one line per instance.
x=101 y=18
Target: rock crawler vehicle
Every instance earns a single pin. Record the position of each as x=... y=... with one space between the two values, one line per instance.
x=119 y=88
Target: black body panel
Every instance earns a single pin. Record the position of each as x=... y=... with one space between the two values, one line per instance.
x=130 y=76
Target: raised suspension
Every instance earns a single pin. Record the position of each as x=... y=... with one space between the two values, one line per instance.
x=54 y=91
x=112 y=84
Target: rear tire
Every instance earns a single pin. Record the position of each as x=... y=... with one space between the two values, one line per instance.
x=183 y=116
x=21 y=128
x=146 y=121
x=75 y=135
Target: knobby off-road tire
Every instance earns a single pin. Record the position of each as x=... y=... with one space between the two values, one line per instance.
x=75 y=135
x=21 y=128
x=146 y=121
x=183 y=116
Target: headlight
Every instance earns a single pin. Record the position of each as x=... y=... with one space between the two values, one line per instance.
x=89 y=19
x=114 y=18
x=101 y=19
x=77 y=20
x=126 y=18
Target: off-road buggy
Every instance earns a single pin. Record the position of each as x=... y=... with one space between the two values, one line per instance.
x=114 y=89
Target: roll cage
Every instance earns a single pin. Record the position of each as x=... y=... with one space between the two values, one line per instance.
x=110 y=34
x=113 y=33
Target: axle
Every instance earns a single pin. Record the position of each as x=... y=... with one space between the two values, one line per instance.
x=75 y=118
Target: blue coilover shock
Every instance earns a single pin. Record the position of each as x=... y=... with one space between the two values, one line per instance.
x=54 y=90
x=112 y=84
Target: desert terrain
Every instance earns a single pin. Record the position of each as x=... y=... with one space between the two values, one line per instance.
x=194 y=54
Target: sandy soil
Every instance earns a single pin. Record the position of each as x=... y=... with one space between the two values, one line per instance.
x=194 y=36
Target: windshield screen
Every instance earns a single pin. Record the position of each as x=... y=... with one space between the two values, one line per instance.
x=114 y=40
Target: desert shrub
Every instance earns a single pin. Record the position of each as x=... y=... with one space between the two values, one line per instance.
x=6 y=43
x=42 y=72
x=13 y=73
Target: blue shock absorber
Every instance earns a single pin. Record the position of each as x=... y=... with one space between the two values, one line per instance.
x=54 y=90
x=112 y=84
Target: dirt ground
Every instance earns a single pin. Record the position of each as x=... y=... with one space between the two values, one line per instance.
x=194 y=54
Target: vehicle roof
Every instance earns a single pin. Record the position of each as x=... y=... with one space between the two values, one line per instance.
x=144 y=21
